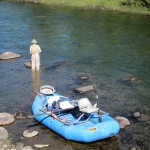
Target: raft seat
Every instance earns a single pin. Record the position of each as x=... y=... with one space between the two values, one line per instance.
x=85 y=106
x=66 y=105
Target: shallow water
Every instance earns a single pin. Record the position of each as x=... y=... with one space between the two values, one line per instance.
x=108 y=47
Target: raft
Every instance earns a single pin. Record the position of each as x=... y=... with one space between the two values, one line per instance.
x=75 y=120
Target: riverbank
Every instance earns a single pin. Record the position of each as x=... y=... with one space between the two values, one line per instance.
x=96 y=5
x=100 y=4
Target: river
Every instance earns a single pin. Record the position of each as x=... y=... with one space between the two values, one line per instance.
x=110 y=48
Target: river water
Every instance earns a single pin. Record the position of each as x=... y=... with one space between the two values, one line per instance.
x=110 y=48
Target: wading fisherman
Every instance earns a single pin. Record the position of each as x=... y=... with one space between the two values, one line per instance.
x=35 y=51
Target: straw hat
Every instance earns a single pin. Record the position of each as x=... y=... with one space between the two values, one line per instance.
x=33 y=41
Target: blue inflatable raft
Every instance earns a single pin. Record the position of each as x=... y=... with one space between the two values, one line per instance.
x=75 y=120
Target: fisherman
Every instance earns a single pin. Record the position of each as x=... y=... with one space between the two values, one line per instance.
x=35 y=51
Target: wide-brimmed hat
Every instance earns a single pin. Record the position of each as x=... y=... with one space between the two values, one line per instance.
x=33 y=41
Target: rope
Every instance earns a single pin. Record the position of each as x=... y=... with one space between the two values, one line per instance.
x=27 y=101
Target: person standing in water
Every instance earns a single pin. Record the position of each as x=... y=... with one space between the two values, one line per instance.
x=35 y=51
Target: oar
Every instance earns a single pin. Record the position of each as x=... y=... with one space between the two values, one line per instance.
x=49 y=112
x=33 y=116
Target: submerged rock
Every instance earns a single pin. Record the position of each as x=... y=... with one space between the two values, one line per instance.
x=143 y=118
x=9 y=55
x=84 y=89
x=130 y=80
x=6 y=118
x=27 y=64
x=20 y=115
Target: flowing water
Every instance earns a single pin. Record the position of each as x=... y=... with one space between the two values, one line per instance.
x=111 y=48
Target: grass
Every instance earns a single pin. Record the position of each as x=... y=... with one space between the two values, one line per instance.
x=98 y=4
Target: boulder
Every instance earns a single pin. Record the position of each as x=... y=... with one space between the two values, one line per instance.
x=9 y=55
x=122 y=121
x=27 y=64
x=3 y=136
x=6 y=118
x=30 y=134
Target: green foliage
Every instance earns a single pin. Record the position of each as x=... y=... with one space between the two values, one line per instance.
x=143 y=3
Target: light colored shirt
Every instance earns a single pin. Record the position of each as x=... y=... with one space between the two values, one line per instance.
x=35 y=49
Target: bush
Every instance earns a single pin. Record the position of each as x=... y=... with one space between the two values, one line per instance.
x=144 y=3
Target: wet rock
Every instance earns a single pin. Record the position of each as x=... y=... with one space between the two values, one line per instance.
x=27 y=64
x=143 y=118
x=122 y=121
x=129 y=80
x=30 y=134
x=3 y=138
x=27 y=148
x=41 y=145
x=84 y=89
x=84 y=78
x=137 y=114
x=20 y=115
x=19 y=146
x=6 y=118
x=9 y=55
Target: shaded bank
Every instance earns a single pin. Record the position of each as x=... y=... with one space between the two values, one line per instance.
x=123 y=6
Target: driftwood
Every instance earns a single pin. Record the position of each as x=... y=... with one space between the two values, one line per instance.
x=84 y=89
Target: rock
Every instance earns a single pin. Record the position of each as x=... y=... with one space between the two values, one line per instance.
x=130 y=80
x=9 y=55
x=20 y=115
x=30 y=134
x=41 y=145
x=6 y=118
x=19 y=146
x=27 y=148
x=143 y=118
x=122 y=121
x=84 y=78
x=3 y=138
x=84 y=89
x=27 y=64
x=8 y=146
x=137 y=114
